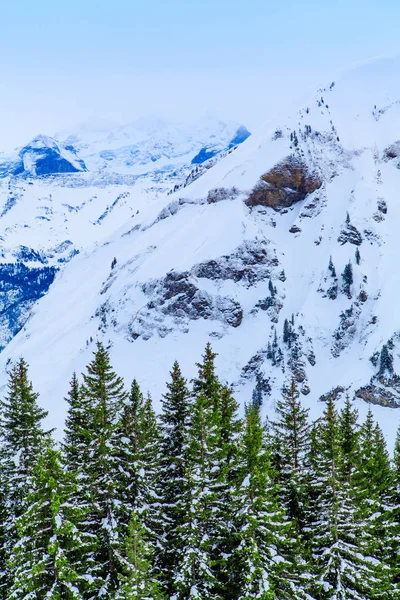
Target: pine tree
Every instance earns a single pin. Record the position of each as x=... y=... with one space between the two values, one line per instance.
x=74 y=446
x=265 y=553
x=347 y=277
x=22 y=441
x=392 y=541
x=195 y=577
x=207 y=382
x=386 y=362
x=348 y=440
x=373 y=484
x=46 y=560
x=136 y=580
x=104 y=394
x=174 y=448
x=257 y=395
x=291 y=436
x=331 y=267
x=343 y=569
x=130 y=436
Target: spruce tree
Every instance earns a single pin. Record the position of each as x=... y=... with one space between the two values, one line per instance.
x=104 y=396
x=348 y=440
x=260 y=564
x=136 y=580
x=195 y=575
x=206 y=382
x=291 y=441
x=344 y=569
x=173 y=464
x=22 y=441
x=76 y=431
x=46 y=561
x=373 y=486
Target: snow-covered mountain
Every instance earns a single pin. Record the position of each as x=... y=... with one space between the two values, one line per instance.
x=253 y=255
x=53 y=206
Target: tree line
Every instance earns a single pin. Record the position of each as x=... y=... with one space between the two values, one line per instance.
x=196 y=503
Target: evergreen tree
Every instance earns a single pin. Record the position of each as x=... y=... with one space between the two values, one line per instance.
x=22 y=440
x=128 y=452
x=137 y=581
x=291 y=436
x=74 y=446
x=347 y=277
x=331 y=267
x=174 y=447
x=343 y=569
x=104 y=393
x=46 y=560
x=373 y=484
x=348 y=440
x=195 y=576
x=257 y=395
x=206 y=383
x=385 y=362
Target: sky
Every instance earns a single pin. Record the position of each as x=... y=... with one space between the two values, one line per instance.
x=63 y=63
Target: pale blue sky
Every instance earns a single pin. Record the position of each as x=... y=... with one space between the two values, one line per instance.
x=63 y=62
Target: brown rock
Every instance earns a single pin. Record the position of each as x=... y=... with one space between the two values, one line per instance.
x=288 y=182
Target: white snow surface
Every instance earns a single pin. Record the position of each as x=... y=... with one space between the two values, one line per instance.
x=152 y=234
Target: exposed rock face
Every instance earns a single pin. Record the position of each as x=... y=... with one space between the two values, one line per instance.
x=334 y=394
x=177 y=296
x=350 y=234
x=288 y=182
x=251 y=262
x=375 y=393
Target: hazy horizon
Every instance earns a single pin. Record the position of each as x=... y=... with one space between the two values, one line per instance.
x=66 y=64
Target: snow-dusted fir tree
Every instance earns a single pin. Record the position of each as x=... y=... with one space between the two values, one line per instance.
x=290 y=443
x=207 y=382
x=104 y=394
x=195 y=576
x=173 y=464
x=373 y=489
x=22 y=440
x=264 y=537
x=343 y=569
x=349 y=441
x=75 y=441
x=130 y=440
x=221 y=410
x=137 y=581
x=48 y=559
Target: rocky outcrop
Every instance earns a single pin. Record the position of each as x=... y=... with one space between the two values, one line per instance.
x=333 y=395
x=350 y=234
x=290 y=181
x=251 y=262
x=384 y=395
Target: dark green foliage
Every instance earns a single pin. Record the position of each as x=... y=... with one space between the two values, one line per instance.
x=104 y=393
x=385 y=362
x=347 y=277
x=46 y=561
x=136 y=580
x=198 y=504
x=22 y=442
x=173 y=465
x=291 y=446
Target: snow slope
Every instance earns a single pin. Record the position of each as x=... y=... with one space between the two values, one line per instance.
x=231 y=257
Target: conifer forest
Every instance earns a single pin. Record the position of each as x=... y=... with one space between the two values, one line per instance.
x=197 y=503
